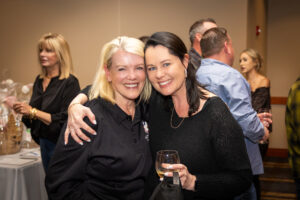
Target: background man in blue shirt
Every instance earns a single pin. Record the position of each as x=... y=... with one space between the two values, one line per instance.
x=220 y=78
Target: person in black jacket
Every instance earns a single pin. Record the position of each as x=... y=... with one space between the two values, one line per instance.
x=53 y=90
x=115 y=163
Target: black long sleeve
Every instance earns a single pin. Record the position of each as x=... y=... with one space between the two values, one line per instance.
x=211 y=145
x=54 y=100
x=232 y=171
x=112 y=166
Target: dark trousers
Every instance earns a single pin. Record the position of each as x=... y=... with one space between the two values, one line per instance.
x=250 y=194
x=263 y=148
x=297 y=182
x=256 y=183
x=47 y=149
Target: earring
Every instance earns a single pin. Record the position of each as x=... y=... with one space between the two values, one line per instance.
x=185 y=72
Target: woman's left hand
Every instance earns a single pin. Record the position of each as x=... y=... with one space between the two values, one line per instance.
x=187 y=180
x=22 y=108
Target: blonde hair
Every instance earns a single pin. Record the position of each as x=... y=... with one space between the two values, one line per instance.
x=101 y=87
x=256 y=57
x=57 y=43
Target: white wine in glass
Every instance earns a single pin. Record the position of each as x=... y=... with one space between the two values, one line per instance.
x=164 y=157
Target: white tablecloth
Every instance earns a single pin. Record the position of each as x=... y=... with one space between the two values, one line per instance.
x=22 y=179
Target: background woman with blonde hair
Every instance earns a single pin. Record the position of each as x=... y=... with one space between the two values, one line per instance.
x=53 y=90
x=114 y=164
x=251 y=63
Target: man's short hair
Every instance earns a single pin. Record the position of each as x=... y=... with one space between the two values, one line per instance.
x=213 y=41
x=197 y=27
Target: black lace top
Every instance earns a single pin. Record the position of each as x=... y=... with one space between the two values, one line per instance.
x=261 y=98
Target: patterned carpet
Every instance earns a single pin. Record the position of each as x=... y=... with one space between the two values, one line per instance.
x=277 y=182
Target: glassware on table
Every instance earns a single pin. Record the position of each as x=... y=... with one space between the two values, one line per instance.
x=3 y=141
x=164 y=157
x=13 y=134
x=27 y=141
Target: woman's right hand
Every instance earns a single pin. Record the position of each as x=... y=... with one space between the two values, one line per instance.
x=22 y=108
x=76 y=113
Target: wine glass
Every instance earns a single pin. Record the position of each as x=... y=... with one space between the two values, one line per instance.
x=164 y=157
x=264 y=111
x=3 y=121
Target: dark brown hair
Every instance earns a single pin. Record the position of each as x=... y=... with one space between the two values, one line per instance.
x=177 y=48
x=213 y=41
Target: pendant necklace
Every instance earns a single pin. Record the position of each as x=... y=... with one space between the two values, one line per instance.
x=171 y=120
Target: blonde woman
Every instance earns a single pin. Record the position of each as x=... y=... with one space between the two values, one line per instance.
x=251 y=63
x=53 y=90
x=114 y=164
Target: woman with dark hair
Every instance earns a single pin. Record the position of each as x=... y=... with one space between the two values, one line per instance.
x=183 y=116
x=196 y=123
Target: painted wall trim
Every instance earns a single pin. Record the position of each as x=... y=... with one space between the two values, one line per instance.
x=279 y=100
x=272 y=152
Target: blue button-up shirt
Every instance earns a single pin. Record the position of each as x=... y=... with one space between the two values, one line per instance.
x=234 y=90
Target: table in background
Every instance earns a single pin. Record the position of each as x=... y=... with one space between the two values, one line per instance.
x=22 y=181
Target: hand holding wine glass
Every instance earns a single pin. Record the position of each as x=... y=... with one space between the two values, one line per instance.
x=167 y=162
x=163 y=159
x=265 y=116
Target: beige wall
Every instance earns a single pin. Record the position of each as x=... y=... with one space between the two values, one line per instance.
x=257 y=16
x=87 y=25
x=283 y=65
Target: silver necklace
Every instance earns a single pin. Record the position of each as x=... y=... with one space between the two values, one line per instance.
x=171 y=120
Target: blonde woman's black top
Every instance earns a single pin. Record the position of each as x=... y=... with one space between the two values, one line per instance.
x=112 y=166
x=54 y=100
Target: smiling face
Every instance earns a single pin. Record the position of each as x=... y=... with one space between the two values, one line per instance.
x=165 y=71
x=246 y=63
x=48 y=57
x=127 y=75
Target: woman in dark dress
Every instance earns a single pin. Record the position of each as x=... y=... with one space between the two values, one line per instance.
x=251 y=63
x=183 y=116
x=53 y=90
